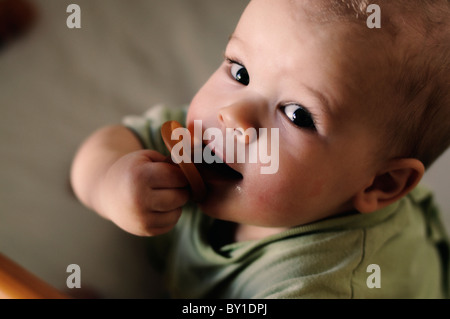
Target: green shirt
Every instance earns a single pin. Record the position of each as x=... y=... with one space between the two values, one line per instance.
x=401 y=251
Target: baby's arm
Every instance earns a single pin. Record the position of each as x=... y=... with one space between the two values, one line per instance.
x=134 y=188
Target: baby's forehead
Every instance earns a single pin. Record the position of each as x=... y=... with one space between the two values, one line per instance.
x=364 y=56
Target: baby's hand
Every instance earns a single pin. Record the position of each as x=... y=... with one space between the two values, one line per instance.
x=143 y=194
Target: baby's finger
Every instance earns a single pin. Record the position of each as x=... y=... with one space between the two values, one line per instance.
x=165 y=175
x=165 y=200
x=152 y=156
x=163 y=219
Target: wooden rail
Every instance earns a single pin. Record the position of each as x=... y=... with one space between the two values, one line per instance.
x=18 y=283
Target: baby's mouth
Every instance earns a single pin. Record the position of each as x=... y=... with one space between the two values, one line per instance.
x=218 y=170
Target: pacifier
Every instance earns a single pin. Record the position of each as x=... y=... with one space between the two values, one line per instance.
x=189 y=170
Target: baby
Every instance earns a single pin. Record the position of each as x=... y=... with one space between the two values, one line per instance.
x=360 y=114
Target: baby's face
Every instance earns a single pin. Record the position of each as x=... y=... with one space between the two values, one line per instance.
x=283 y=72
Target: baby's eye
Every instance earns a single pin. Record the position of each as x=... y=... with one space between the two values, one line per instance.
x=299 y=116
x=239 y=73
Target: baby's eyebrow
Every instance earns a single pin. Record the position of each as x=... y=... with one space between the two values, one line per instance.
x=233 y=36
x=325 y=102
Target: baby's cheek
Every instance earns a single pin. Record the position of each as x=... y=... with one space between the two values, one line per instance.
x=316 y=188
x=273 y=195
x=278 y=198
x=195 y=109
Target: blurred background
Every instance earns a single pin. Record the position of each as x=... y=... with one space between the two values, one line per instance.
x=58 y=85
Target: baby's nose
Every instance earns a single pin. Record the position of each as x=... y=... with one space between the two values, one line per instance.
x=241 y=120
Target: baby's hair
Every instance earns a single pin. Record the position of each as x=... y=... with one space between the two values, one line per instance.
x=417 y=60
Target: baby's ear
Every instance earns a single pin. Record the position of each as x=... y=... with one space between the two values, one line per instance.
x=397 y=179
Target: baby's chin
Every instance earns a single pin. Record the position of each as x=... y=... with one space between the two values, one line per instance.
x=223 y=199
x=233 y=205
